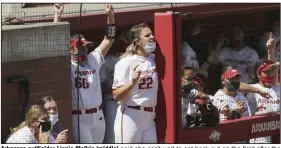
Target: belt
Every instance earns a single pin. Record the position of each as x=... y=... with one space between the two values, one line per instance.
x=147 y=109
x=87 y=111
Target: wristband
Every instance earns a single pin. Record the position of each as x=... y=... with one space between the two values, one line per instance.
x=110 y=31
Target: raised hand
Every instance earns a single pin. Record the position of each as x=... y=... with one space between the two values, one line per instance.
x=108 y=8
x=271 y=44
x=135 y=75
x=43 y=137
x=62 y=137
x=58 y=8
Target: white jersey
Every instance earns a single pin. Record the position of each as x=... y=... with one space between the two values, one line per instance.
x=260 y=105
x=88 y=82
x=24 y=135
x=145 y=92
x=245 y=60
x=189 y=56
x=221 y=100
x=107 y=75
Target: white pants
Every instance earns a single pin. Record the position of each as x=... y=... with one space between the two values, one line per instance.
x=110 y=115
x=92 y=128
x=134 y=126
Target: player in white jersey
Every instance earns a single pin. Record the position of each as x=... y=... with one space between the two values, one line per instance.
x=231 y=103
x=135 y=86
x=267 y=76
x=87 y=117
x=239 y=55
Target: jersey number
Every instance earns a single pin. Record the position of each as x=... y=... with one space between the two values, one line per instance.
x=145 y=83
x=81 y=82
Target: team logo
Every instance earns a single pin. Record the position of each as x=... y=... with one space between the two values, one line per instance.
x=215 y=136
x=115 y=81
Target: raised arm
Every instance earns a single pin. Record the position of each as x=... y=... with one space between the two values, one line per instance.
x=110 y=30
x=246 y=88
x=271 y=45
x=58 y=11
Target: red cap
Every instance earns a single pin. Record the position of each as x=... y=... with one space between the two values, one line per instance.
x=230 y=73
x=84 y=43
x=265 y=66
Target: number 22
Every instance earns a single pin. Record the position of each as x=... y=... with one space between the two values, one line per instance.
x=145 y=83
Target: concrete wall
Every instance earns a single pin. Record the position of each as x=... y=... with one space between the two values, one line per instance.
x=40 y=53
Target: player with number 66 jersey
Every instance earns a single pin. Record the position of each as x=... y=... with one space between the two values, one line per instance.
x=135 y=87
x=87 y=117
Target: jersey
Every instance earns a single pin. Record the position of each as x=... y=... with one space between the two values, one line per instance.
x=88 y=82
x=222 y=100
x=260 y=105
x=145 y=92
x=24 y=135
x=189 y=56
x=107 y=75
x=245 y=60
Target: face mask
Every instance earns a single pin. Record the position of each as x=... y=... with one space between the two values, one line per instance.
x=150 y=47
x=54 y=119
x=237 y=44
x=46 y=126
x=233 y=87
x=76 y=58
x=267 y=80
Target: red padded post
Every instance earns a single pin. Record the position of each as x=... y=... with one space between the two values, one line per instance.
x=166 y=56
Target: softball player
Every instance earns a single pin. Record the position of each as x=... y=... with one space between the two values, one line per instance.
x=230 y=102
x=135 y=86
x=267 y=75
x=87 y=117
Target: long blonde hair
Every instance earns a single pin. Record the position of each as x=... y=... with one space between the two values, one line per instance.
x=33 y=114
x=135 y=32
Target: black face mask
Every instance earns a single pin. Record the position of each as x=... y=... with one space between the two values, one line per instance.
x=233 y=86
x=46 y=126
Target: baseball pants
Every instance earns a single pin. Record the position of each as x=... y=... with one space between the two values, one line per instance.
x=110 y=115
x=92 y=128
x=134 y=126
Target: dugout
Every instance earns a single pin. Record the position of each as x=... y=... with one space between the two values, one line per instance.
x=213 y=18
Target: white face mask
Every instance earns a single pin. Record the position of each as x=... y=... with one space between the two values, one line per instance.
x=54 y=118
x=150 y=47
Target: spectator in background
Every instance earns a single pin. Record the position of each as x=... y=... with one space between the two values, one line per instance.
x=189 y=29
x=239 y=55
x=106 y=78
x=50 y=104
x=35 y=128
x=267 y=76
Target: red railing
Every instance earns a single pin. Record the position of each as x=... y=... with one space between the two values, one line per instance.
x=235 y=130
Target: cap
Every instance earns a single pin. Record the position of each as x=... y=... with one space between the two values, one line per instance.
x=266 y=66
x=230 y=73
x=84 y=43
